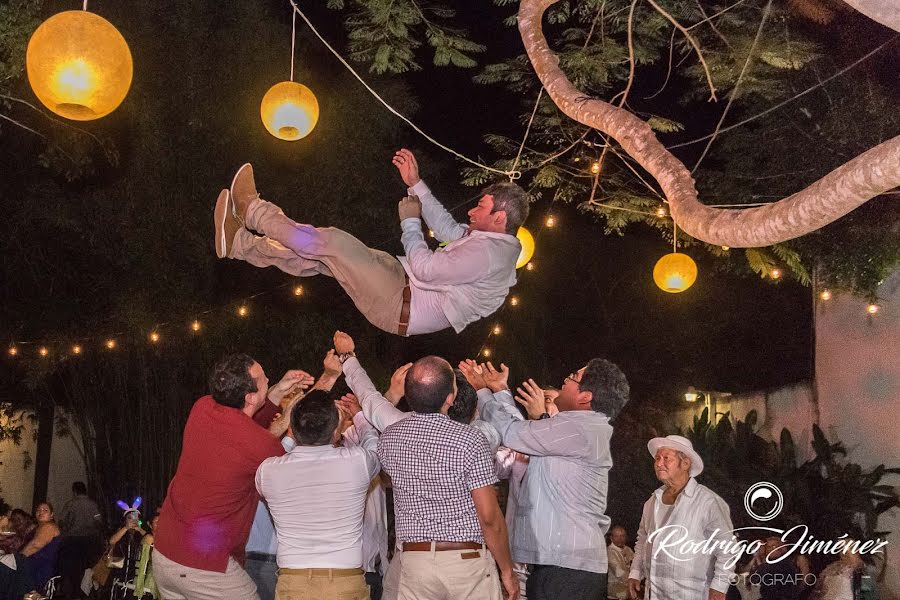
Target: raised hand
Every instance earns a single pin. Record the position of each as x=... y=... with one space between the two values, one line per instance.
x=495 y=379
x=531 y=396
x=410 y=208
x=332 y=364
x=406 y=164
x=294 y=380
x=349 y=405
x=398 y=384
x=343 y=343
x=474 y=373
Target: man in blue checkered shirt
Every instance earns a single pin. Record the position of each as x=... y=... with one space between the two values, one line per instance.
x=448 y=523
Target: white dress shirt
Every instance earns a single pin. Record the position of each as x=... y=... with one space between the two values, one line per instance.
x=672 y=574
x=472 y=273
x=317 y=497
x=262 y=534
x=375 y=522
x=382 y=414
x=560 y=519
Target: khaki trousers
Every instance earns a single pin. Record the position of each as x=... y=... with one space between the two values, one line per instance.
x=373 y=279
x=321 y=584
x=178 y=582
x=448 y=575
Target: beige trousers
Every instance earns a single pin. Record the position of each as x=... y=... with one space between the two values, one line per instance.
x=373 y=279
x=178 y=582
x=448 y=575
x=321 y=584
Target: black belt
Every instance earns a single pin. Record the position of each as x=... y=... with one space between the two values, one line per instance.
x=261 y=557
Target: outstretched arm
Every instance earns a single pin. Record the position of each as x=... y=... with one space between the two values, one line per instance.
x=437 y=218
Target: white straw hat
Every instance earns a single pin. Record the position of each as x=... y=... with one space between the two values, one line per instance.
x=682 y=444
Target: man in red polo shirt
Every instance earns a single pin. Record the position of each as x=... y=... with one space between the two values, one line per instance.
x=206 y=517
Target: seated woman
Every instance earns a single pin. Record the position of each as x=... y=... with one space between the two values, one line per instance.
x=43 y=549
x=15 y=577
x=126 y=552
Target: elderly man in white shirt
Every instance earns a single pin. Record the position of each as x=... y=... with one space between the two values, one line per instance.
x=681 y=551
x=620 y=557
x=317 y=496
x=421 y=292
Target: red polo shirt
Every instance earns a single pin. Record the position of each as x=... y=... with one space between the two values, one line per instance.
x=209 y=508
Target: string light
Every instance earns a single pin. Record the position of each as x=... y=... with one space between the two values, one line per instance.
x=872 y=309
x=661 y=212
x=110 y=344
x=530 y=267
x=154 y=337
x=76 y=349
x=825 y=295
x=298 y=290
x=595 y=167
x=726 y=248
x=514 y=300
x=486 y=353
x=776 y=273
x=13 y=351
x=195 y=326
x=242 y=311
x=431 y=233
x=551 y=221
x=496 y=330
x=43 y=351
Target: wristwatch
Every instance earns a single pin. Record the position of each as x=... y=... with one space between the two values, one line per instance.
x=546 y=415
x=343 y=357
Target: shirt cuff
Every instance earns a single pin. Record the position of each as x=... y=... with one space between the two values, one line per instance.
x=420 y=189
x=412 y=224
x=361 y=423
x=350 y=365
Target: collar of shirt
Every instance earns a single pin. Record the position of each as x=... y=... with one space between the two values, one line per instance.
x=688 y=490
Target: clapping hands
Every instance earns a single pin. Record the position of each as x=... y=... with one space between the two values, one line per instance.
x=293 y=382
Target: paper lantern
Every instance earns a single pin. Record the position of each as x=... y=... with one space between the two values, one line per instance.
x=675 y=272
x=289 y=110
x=79 y=65
x=527 y=241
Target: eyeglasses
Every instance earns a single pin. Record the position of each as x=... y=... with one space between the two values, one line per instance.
x=571 y=377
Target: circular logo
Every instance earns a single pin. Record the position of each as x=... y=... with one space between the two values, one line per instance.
x=764 y=491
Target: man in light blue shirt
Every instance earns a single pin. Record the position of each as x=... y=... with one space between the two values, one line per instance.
x=561 y=522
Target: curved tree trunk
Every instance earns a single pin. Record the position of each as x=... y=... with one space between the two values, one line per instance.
x=886 y=12
x=844 y=189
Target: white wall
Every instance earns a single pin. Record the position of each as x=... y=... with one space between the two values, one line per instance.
x=17 y=482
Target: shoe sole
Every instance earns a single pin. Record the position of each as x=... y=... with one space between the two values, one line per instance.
x=222 y=206
x=231 y=190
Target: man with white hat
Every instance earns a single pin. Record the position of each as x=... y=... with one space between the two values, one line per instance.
x=682 y=541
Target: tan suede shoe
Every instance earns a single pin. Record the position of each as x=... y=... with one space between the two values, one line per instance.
x=243 y=192
x=227 y=225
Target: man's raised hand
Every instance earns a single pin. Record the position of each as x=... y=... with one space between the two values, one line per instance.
x=406 y=163
x=398 y=384
x=332 y=364
x=474 y=373
x=531 y=396
x=410 y=208
x=349 y=405
x=495 y=379
x=343 y=343
x=293 y=380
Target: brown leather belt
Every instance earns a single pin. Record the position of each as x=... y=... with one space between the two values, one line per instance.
x=440 y=546
x=404 y=312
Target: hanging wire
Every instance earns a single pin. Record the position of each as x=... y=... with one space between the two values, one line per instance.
x=516 y=174
x=85 y=5
x=674 y=237
x=293 y=40
x=395 y=112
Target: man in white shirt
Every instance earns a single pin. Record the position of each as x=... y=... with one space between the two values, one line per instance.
x=421 y=292
x=677 y=520
x=620 y=557
x=317 y=495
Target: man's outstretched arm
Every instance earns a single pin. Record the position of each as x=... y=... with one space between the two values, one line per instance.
x=437 y=218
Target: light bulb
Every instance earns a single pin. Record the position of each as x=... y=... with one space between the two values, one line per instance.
x=530 y=267
x=497 y=330
x=486 y=352
x=76 y=349
x=551 y=221
x=825 y=295
x=660 y=212
x=195 y=326
x=43 y=351
x=242 y=311
x=298 y=290
x=726 y=248
x=872 y=309
x=154 y=337
x=514 y=301
x=110 y=344
x=595 y=167
x=13 y=351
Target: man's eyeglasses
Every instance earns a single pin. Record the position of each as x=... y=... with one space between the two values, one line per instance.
x=571 y=377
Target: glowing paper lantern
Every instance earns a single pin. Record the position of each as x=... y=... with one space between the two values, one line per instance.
x=527 y=241
x=289 y=111
x=675 y=272
x=79 y=65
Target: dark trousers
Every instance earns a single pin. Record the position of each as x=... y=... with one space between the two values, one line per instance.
x=373 y=580
x=549 y=582
x=263 y=570
x=75 y=555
